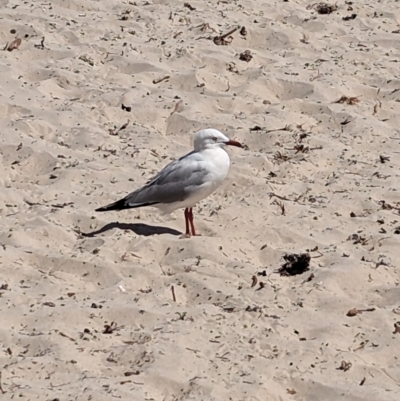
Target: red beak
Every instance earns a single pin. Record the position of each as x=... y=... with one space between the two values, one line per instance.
x=234 y=143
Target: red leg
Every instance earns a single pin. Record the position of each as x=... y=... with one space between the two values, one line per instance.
x=187 y=219
x=190 y=215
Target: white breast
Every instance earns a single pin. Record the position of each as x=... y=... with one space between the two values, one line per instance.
x=216 y=161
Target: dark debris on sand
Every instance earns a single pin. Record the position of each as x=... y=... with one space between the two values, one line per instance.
x=295 y=264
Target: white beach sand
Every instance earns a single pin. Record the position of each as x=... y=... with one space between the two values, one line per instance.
x=222 y=339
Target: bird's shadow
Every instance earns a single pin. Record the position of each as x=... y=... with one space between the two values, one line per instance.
x=139 y=229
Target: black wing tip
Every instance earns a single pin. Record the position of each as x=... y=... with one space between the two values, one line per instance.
x=101 y=209
x=122 y=205
x=118 y=205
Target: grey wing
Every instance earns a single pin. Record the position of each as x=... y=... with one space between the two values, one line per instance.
x=175 y=183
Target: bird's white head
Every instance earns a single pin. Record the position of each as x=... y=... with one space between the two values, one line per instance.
x=211 y=138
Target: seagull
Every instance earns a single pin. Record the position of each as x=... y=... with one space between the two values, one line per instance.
x=186 y=181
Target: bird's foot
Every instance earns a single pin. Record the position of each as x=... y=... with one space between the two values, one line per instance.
x=189 y=235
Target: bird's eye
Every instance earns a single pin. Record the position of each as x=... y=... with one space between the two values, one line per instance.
x=214 y=139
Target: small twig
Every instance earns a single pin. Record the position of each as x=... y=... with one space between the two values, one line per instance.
x=281 y=205
x=1 y=386
x=189 y=6
x=116 y=132
x=64 y=335
x=157 y=81
x=354 y=311
x=62 y=205
x=309 y=278
x=362 y=345
x=123 y=126
x=30 y=203
x=203 y=27
x=279 y=157
x=173 y=293
x=285 y=128
x=345 y=366
x=271 y=194
x=41 y=45
x=376 y=107
x=225 y=35
x=305 y=39
x=110 y=328
x=319 y=256
x=316 y=77
x=221 y=39
x=178 y=107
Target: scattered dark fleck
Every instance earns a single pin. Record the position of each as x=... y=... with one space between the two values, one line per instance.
x=263 y=273
x=383 y=159
x=253 y=309
x=109 y=328
x=245 y=56
x=345 y=366
x=310 y=277
x=351 y=100
x=189 y=6
x=358 y=239
x=126 y=108
x=352 y=214
x=295 y=264
x=349 y=17
x=132 y=373
x=51 y=304
x=256 y=128
x=322 y=8
x=243 y=31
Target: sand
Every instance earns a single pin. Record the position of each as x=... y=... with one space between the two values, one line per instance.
x=87 y=311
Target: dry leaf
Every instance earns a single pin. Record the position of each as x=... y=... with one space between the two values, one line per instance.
x=15 y=44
